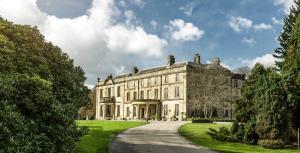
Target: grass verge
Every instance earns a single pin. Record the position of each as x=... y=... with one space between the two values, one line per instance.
x=101 y=134
x=197 y=134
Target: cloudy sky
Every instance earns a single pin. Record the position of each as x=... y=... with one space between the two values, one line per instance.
x=111 y=36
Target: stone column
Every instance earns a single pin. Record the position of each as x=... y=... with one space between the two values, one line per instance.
x=104 y=111
x=147 y=107
x=156 y=111
x=138 y=111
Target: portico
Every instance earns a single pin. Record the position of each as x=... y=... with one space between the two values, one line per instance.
x=143 y=109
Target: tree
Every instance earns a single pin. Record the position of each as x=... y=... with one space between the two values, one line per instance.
x=286 y=34
x=40 y=93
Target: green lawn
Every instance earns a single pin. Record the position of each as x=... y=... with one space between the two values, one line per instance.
x=101 y=134
x=197 y=134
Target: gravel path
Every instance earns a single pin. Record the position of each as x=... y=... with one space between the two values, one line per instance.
x=155 y=137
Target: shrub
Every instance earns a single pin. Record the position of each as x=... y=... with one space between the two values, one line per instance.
x=239 y=135
x=234 y=128
x=271 y=144
x=250 y=136
x=222 y=135
x=201 y=120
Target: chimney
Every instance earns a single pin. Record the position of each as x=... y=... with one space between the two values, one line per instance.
x=197 y=59
x=171 y=60
x=134 y=70
x=98 y=79
x=216 y=61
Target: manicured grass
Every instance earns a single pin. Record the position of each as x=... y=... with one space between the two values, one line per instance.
x=197 y=134
x=101 y=134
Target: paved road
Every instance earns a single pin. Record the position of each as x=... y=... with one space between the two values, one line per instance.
x=156 y=137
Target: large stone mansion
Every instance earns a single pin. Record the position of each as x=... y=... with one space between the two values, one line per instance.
x=171 y=92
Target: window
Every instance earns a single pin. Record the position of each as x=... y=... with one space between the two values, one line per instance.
x=108 y=92
x=177 y=77
x=134 y=95
x=101 y=93
x=134 y=111
x=166 y=79
x=118 y=110
x=176 y=109
x=148 y=82
x=148 y=94
x=101 y=111
x=156 y=94
x=108 y=113
x=165 y=110
x=118 y=91
x=176 y=91
x=165 y=93
x=142 y=83
x=134 y=84
x=155 y=80
x=127 y=112
x=142 y=95
x=128 y=96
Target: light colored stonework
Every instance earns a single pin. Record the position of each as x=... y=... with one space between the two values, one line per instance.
x=171 y=92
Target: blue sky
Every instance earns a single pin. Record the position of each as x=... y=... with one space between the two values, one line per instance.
x=106 y=36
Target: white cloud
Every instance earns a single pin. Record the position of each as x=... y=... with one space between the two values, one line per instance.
x=286 y=4
x=262 y=26
x=276 y=21
x=183 y=31
x=139 y=3
x=97 y=41
x=249 y=41
x=187 y=9
x=266 y=60
x=239 y=24
x=153 y=24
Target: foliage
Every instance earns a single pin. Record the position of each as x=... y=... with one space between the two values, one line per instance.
x=197 y=134
x=271 y=143
x=286 y=34
x=40 y=93
x=222 y=135
x=201 y=120
x=250 y=136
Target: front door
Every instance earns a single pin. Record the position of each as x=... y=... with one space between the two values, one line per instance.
x=143 y=113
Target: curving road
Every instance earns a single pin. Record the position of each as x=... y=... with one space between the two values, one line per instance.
x=155 y=137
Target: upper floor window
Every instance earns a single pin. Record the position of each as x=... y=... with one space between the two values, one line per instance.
x=166 y=78
x=134 y=95
x=142 y=95
x=148 y=82
x=165 y=93
x=148 y=94
x=156 y=93
x=101 y=93
x=176 y=91
x=177 y=77
x=118 y=91
x=108 y=92
x=155 y=80
x=142 y=82
x=128 y=96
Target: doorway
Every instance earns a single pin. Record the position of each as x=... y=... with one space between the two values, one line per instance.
x=142 y=112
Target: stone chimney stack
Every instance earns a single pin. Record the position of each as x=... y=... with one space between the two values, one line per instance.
x=197 y=59
x=134 y=70
x=216 y=61
x=171 y=60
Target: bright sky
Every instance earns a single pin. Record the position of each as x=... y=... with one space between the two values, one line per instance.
x=111 y=36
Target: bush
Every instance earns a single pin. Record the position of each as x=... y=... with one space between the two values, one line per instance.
x=234 y=128
x=250 y=136
x=201 y=120
x=271 y=144
x=239 y=135
x=222 y=135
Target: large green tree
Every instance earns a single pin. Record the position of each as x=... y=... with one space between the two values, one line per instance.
x=40 y=93
x=286 y=34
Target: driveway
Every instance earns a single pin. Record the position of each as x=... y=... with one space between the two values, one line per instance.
x=155 y=137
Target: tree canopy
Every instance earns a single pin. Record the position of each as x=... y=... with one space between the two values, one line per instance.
x=40 y=93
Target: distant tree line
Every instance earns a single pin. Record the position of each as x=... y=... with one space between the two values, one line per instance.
x=268 y=113
x=41 y=92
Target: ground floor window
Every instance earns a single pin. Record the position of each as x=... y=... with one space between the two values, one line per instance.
x=176 y=109
x=165 y=110
x=118 y=110
x=101 y=111
x=134 y=111
x=108 y=110
x=127 y=112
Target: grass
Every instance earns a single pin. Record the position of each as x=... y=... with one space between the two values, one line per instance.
x=197 y=134
x=101 y=134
